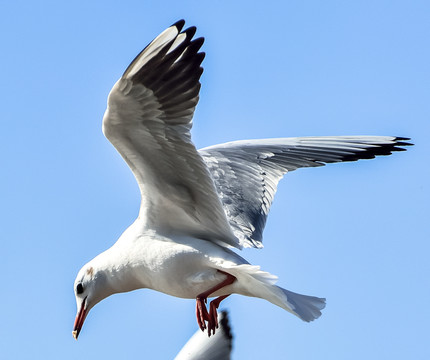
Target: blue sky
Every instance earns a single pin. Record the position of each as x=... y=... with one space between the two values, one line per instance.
x=354 y=233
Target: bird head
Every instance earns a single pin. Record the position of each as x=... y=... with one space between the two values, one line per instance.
x=91 y=286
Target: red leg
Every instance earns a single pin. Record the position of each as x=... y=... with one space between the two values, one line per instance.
x=201 y=313
x=201 y=300
x=213 y=314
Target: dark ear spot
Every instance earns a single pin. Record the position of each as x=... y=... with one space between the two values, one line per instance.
x=79 y=288
x=90 y=271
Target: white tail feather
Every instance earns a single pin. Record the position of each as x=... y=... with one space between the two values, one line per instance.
x=307 y=308
x=254 y=282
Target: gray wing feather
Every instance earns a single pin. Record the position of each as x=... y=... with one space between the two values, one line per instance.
x=246 y=173
x=148 y=120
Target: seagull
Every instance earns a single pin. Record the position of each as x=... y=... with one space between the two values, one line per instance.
x=197 y=205
x=217 y=347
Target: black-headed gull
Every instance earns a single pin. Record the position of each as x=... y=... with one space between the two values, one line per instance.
x=217 y=347
x=196 y=205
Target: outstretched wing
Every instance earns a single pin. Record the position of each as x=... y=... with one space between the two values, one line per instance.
x=148 y=120
x=246 y=173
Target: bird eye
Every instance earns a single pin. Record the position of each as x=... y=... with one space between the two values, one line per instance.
x=79 y=288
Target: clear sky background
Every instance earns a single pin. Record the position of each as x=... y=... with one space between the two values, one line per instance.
x=357 y=233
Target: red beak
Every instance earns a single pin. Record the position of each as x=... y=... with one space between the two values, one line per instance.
x=79 y=321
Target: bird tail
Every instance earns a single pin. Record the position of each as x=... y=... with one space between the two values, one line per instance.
x=307 y=308
x=261 y=284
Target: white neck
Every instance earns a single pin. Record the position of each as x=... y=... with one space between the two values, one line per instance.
x=123 y=271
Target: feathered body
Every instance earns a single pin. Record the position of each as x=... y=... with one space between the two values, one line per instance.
x=197 y=205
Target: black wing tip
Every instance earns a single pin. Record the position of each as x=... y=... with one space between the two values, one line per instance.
x=200 y=56
x=380 y=149
x=198 y=42
x=187 y=49
x=402 y=141
x=225 y=324
x=179 y=24
x=190 y=32
x=401 y=138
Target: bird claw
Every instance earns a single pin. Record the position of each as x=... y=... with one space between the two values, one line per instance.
x=201 y=313
x=211 y=317
x=204 y=316
x=213 y=314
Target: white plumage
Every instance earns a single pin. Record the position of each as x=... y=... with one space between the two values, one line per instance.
x=196 y=205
